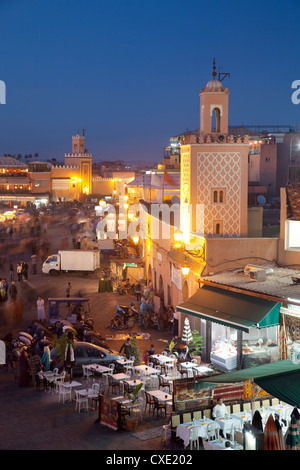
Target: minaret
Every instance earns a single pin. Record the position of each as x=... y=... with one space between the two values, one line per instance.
x=214 y=107
x=80 y=158
x=214 y=172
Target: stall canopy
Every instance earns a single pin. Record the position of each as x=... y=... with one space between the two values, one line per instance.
x=280 y=379
x=233 y=309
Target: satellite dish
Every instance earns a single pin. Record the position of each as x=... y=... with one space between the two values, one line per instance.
x=261 y=199
x=175 y=200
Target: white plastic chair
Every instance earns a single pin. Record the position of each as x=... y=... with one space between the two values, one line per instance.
x=112 y=367
x=213 y=430
x=59 y=380
x=81 y=402
x=194 y=437
x=64 y=392
x=86 y=372
x=194 y=361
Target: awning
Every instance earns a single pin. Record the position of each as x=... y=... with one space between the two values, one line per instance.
x=239 y=311
x=280 y=379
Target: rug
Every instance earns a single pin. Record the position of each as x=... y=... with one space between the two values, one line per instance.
x=151 y=433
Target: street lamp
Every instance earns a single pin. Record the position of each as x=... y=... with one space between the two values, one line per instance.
x=185 y=270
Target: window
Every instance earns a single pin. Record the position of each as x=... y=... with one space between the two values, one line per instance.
x=52 y=259
x=218 y=195
x=292 y=235
x=218 y=228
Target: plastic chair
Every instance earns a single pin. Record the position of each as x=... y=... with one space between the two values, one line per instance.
x=64 y=392
x=86 y=372
x=81 y=402
x=213 y=430
x=194 y=361
x=194 y=437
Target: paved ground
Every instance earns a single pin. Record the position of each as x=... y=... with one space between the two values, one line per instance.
x=35 y=420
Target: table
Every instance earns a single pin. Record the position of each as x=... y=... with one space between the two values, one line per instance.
x=160 y=395
x=72 y=384
x=220 y=445
x=98 y=368
x=120 y=377
x=124 y=362
x=284 y=411
x=163 y=359
x=187 y=365
x=202 y=370
x=226 y=424
x=183 y=430
x=147 y=370
x=242 y=417
x=133 y=383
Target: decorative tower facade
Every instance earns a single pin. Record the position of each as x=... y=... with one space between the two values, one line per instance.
x=214 y=172
x=80 y=158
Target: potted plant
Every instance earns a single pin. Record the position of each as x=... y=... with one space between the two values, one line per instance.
x=171 y=346
x=134 y=349
x=132 y=420
x=195 y=346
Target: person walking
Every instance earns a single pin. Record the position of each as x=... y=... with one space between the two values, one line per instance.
x=35 y=366
x=68 y=290
x=19 y=272
x=41 y=309
x=33 y=264
x=127 y=348
x=11 y=271
x=13 y=291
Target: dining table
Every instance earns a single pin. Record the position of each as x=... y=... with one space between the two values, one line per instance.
x=183 y=429
x=283 y=411
x=219 y=444
x=227 y=423
x=146 y=370
x=187 y=365
x=162 y=359
x=133 y=382
x=160 y=395
x=125 y=362
x=120 y=377
x=98 y=368
x=202 y=370
x=242 y=417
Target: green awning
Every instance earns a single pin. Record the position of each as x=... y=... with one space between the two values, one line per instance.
x=239 y=311
x=280 y=379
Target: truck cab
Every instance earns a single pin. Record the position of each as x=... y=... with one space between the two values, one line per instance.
x=52 y=265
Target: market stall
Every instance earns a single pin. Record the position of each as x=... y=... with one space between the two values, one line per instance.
x=239 y=330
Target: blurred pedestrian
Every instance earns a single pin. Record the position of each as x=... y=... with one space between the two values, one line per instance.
x=33 y=264
x=68 y=290
x=41 y=309
x=35 y=366
x=11 y=271
x=13 y=291
x=19 y=272
x=23 y=369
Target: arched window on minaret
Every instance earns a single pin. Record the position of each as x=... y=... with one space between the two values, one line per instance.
x=216 y=120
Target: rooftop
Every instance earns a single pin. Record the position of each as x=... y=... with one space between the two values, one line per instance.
x=278 y=284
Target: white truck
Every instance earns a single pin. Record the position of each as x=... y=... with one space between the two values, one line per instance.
x=72 y=260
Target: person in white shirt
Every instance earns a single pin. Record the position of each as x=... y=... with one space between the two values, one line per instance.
x=219 y=411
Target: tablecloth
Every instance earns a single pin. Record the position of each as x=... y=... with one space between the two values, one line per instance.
x=183 y=430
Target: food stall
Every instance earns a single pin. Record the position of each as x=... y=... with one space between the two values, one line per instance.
x=239 y=330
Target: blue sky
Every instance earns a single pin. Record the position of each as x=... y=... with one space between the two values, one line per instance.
x=130 y=72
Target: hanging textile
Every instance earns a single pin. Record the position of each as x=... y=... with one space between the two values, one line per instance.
x=282 y=341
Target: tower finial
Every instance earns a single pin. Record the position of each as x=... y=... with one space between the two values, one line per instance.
x=214 y=74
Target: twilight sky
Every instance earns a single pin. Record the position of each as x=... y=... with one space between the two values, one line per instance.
x=130 y=72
